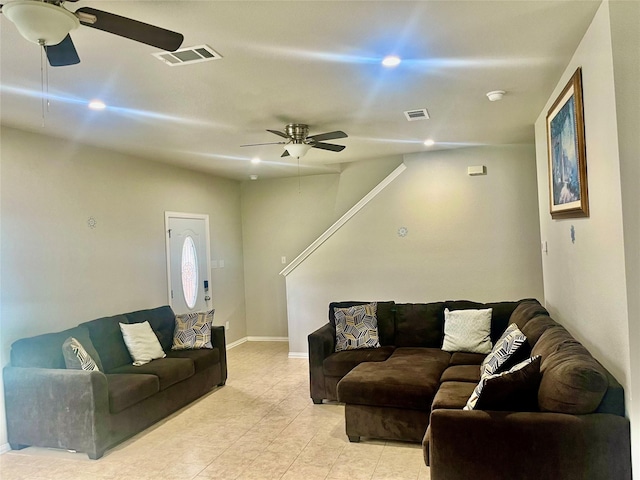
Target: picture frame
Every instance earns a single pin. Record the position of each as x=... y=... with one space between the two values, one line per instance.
x=567 y=154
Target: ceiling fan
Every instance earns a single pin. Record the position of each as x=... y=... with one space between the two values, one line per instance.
x=48 y=23
x=298 y=141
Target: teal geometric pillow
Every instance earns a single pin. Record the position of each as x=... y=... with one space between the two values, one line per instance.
x=506 y=346
x=357 y=327
x=76 y=357
x=193 y=331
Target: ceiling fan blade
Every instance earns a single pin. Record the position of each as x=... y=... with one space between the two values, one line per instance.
x=280 y=134
x=258 y=144
x=328 y=146
x=129 y=28
x=327 y=136
x=62 y=54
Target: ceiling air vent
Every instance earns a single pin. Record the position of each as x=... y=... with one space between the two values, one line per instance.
x=200 y=53
x=413 y=115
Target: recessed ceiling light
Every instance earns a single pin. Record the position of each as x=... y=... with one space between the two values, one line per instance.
x=391 y=61
x=429 y=142
x=97 y=105
x=255 y=160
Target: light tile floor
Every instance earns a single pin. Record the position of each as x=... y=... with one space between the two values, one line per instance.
x=260 y=425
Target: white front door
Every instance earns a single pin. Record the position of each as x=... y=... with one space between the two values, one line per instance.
x=188 y=262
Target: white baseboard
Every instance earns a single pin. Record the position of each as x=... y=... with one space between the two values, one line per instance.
x=4 y=448
x=236 y=343
x=256 y=339
x=304 y=355
x=268 y=339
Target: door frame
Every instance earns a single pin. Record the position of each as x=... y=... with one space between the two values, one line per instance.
x=190 y=216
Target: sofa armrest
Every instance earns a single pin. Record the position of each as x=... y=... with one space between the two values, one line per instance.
x=218 y=340
x=57 y=408
x=321 y=344
x=528 y=445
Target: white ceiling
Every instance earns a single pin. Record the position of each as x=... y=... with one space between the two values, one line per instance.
x=314 y=62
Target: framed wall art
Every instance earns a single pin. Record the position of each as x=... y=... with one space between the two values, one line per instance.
x=568 y=193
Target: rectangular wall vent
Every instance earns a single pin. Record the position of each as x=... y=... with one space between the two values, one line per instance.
x=183 y=56
x=413 y=115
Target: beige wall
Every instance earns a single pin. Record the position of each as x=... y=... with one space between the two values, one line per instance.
x=585 y=282
x=57 y=272
x=625 y=34
x=469 y=237
x=281 y=217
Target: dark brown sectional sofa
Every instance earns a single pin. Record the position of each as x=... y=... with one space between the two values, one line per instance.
x=48 y=405
x=409 y=389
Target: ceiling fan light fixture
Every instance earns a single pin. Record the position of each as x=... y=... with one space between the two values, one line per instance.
x=297 y=150
x=40 y=22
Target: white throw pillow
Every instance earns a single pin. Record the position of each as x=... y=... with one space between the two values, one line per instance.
x=467 y=331
x=142 y=343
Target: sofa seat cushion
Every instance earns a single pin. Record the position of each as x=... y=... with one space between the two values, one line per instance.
x=168 y=370
x=203 y=358
x=461 y=373
x=408 y=379
x=340 y=363
x=453 y=395
x=466 y=358
x=126 y=390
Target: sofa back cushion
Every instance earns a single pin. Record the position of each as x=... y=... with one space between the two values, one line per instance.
x=45 y=351
x=162 y=321
x=525 y=311
x=572 y=380
x=534 y=328
x=419 y=324
x=501 y=313
x=107 y=339
x=385 y=315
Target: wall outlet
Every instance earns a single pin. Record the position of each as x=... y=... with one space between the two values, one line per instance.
x=226 y=326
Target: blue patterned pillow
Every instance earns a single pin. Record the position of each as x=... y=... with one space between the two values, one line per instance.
x=193 y=331
x=506 y=346
x=357 y=327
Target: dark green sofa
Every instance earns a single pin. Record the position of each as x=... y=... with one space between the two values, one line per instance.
x=48 y=405
x=409 y=389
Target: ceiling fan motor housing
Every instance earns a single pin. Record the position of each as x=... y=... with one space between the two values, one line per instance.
x=298 y=132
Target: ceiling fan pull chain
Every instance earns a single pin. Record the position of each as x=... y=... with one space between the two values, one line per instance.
x=46 y=81
x=43 y=98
